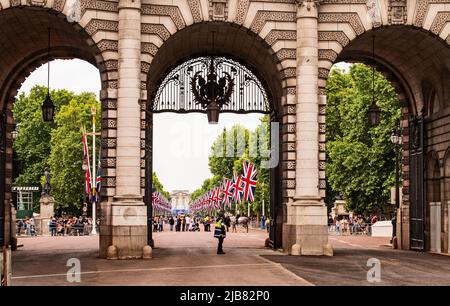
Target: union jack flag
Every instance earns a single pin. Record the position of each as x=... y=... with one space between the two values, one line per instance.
x=217 y=197
x=98 y=185
x=237 y=188
x=88 y=165
x=227 y=190
x=211 y=199
x=249 y=180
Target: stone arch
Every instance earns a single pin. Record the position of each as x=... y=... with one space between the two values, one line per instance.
x=246 y=48
x=23 y=46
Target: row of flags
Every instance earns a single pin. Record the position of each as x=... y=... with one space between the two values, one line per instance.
x=159 y=202
x=91 y=188
x=240 y=188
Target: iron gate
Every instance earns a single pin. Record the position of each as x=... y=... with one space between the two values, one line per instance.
x=417 y=193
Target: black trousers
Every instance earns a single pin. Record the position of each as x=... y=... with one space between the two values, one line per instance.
x=219 y=246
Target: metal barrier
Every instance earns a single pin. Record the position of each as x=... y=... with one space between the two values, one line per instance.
x=350 y=229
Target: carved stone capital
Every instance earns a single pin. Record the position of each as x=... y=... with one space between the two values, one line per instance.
x=308 y=4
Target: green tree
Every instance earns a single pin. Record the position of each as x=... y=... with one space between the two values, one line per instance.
x=360 y=158
x=228 y=147
x=56 y=145
x=158 y=186
x=228 y=152
x=32 y=145
x=67 y=156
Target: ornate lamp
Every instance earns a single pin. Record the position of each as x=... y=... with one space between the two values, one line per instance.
x=213 y=93
x=374 y=114
x=15 y=132
x=48 y=108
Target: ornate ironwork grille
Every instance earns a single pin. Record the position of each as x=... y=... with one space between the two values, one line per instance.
x=175 y=94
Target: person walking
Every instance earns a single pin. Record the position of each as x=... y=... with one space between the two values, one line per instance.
x=171 y=223
x=178 y=227
x=161 y=223
x=338 y=226
x=206 y=223
x=52 y=227
x=220 y=232
x=188 y=223
x=183 y=223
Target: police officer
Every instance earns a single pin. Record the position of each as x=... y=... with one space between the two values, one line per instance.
x=220 y=232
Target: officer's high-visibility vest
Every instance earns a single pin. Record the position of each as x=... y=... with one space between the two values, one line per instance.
x=218 y=230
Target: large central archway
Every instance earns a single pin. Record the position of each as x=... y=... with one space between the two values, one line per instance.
x=237 y=50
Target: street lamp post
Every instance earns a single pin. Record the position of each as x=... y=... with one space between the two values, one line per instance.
x=396 y=139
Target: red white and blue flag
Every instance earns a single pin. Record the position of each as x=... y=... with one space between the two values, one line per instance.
x=217 y=197
x=249 y=180
x=211 y=199
x=237 y=188
x=227 y=190
x=88 y=165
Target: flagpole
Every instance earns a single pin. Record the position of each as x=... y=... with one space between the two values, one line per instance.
x=263 y=208
x=94 y=175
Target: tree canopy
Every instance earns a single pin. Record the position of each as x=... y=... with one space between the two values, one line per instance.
x=360 y=158
x=228 y=152
x=57 y=145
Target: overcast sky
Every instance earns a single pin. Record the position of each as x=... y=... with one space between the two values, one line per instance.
x=181 y=142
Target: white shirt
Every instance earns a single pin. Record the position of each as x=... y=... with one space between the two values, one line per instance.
x=188 y=220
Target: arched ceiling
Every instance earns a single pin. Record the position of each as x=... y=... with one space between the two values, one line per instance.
x=24 y=44
x=413 y=56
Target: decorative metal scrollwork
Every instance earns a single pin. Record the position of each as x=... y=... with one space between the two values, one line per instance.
x=178 y=91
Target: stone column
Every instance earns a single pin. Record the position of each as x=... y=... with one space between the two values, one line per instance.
x=307 y=232
x=129 y=224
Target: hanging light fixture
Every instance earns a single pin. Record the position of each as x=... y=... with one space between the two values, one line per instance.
x=374 y=111
x=48 y=108
x=213 y=93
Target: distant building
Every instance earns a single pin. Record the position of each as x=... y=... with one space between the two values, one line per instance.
x=180 y=201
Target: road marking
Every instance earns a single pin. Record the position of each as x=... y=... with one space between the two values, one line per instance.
x=143 y=270
x=280 y=266
x=356 y=245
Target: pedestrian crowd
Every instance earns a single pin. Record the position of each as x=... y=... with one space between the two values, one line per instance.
x=352 y=225
x=58 y=226
x=179 y=223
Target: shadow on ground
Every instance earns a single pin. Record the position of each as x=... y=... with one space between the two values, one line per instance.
x=349 y=267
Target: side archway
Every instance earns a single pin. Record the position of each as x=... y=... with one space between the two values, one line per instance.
x=23 y=48
x=416 y=63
